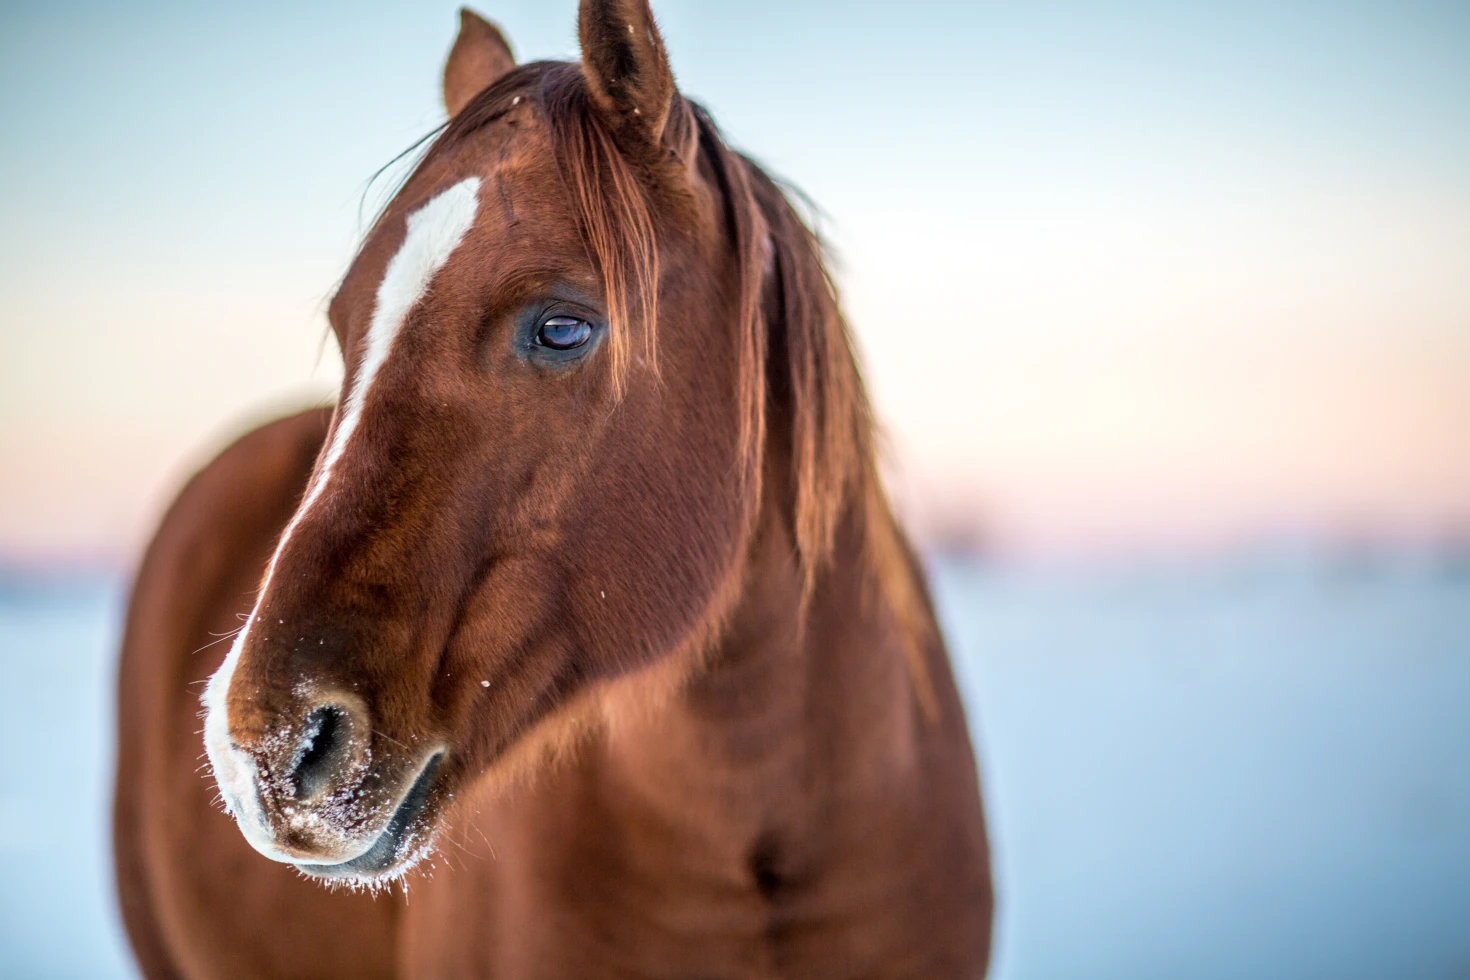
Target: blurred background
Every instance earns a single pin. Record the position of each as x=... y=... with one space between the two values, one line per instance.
x=1165 y=309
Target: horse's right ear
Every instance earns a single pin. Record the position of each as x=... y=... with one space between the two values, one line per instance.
x=627 y=71
x=480 y=56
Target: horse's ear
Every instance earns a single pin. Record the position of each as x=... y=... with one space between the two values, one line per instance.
x=627 y=71
x=480 y=56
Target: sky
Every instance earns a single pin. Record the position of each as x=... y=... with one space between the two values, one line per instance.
x=1124 y=275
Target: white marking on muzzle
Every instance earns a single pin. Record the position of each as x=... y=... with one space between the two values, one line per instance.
x=434 y=232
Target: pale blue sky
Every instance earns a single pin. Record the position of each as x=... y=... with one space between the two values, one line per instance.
x=1211 y=260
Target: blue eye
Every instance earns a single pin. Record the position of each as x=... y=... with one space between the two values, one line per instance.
x=563 y=332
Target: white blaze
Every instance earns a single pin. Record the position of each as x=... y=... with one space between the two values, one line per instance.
x=434 y=231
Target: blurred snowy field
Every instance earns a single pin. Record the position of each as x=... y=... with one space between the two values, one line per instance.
x=1252 y=768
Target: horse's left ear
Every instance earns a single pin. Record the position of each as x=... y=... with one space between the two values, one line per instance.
x=480 y=56
x=627 y=71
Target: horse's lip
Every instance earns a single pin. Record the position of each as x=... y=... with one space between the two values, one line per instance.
x=387 y=849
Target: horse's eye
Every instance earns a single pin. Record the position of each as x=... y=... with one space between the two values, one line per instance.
x=563 y=333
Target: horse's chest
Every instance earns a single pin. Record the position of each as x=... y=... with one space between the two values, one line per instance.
x=598 y=873
x=575 y=891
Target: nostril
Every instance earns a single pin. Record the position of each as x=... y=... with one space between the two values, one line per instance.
x=323 y=747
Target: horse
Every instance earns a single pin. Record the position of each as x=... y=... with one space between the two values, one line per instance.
x=578 y=639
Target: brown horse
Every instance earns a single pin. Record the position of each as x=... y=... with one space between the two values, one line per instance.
x=585 y=601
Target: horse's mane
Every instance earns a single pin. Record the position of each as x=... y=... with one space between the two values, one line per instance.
x=798 y=370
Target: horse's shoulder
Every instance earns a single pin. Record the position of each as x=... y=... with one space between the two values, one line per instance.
x=227 y=514
x=250 y=487
x=264 y=470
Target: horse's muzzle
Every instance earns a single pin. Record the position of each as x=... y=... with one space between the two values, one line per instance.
x=310 y=792
x=395 y=847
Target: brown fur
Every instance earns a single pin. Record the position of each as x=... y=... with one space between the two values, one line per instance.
x=717 y=733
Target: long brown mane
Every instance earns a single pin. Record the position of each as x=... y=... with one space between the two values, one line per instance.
x=797 y=362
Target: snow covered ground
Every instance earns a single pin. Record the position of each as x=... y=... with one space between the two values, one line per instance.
x=1257 y=768
x=58 y=641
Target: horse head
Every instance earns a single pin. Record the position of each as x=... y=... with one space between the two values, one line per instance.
x=588 y=350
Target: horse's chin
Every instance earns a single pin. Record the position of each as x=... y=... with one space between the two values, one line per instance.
x=406 y=840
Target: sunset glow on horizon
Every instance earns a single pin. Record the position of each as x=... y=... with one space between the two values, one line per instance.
x=1130 y=279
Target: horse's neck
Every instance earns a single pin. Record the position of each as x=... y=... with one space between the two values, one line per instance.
x=781 y=713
